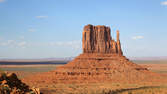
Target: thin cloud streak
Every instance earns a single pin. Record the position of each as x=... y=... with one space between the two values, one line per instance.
x=2 y=1
x=31 y=30
x=41 y=17
x=22 y=44
x=137 y=37
x=164 y=3
x=13 y=43
x=7 y=43
x=21 y=37
x=74 y=44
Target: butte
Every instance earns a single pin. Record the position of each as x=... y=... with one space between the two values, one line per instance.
x=102 y=60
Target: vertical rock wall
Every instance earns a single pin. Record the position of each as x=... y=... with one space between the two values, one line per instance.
x=97 y=39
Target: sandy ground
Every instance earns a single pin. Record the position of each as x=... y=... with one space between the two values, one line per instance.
x=26 y=70
x=23 y=66
x=159 y=68
x=155 y=66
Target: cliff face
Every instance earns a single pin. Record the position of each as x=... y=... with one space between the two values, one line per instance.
x=97 y=39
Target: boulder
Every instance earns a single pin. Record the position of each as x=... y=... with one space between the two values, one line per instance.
x=10 y=84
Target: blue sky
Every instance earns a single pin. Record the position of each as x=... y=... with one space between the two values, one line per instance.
x=53 y=28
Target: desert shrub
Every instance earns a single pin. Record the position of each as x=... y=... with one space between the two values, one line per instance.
x=1 y=71
x=31 y=92
x=4 y=89
x=149 y=90
x=73 y=86
x=129 y=92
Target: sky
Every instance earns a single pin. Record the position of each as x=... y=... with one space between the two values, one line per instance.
x=53 y=28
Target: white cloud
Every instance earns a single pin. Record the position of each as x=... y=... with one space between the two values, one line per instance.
x=14 y=43
x=75 y=44
x=8 y=43
x=31 y=30
x=1 y=38
x=137 y=37
x=41 y=17
x=22 y=44
x=2 y=1
x=21 y=37
x=164 y=3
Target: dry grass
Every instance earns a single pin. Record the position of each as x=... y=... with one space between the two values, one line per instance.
x=26 y=70
x=102 y=88
x=150 y=61
x=158 y=66
x=146 y=90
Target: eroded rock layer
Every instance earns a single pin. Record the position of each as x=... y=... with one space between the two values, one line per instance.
x=95 y=68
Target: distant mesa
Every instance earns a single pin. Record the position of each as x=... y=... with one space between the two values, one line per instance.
x=102 y=60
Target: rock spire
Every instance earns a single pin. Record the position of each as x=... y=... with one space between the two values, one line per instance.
x=119 y=44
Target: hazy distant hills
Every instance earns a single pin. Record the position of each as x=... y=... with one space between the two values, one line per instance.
x=149 y=58
x=38 y=60
x=66 y=59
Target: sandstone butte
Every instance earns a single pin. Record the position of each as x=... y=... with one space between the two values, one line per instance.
x=102 y=60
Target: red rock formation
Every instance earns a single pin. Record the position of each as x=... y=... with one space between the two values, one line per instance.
x=102 y=60
x=119 y=45
x=97 y=39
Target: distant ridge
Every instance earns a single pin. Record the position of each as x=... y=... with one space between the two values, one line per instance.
x=37 y=60
x=71 y=58
x=149 y=58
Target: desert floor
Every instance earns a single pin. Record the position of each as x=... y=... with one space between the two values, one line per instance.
x=94 y=88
